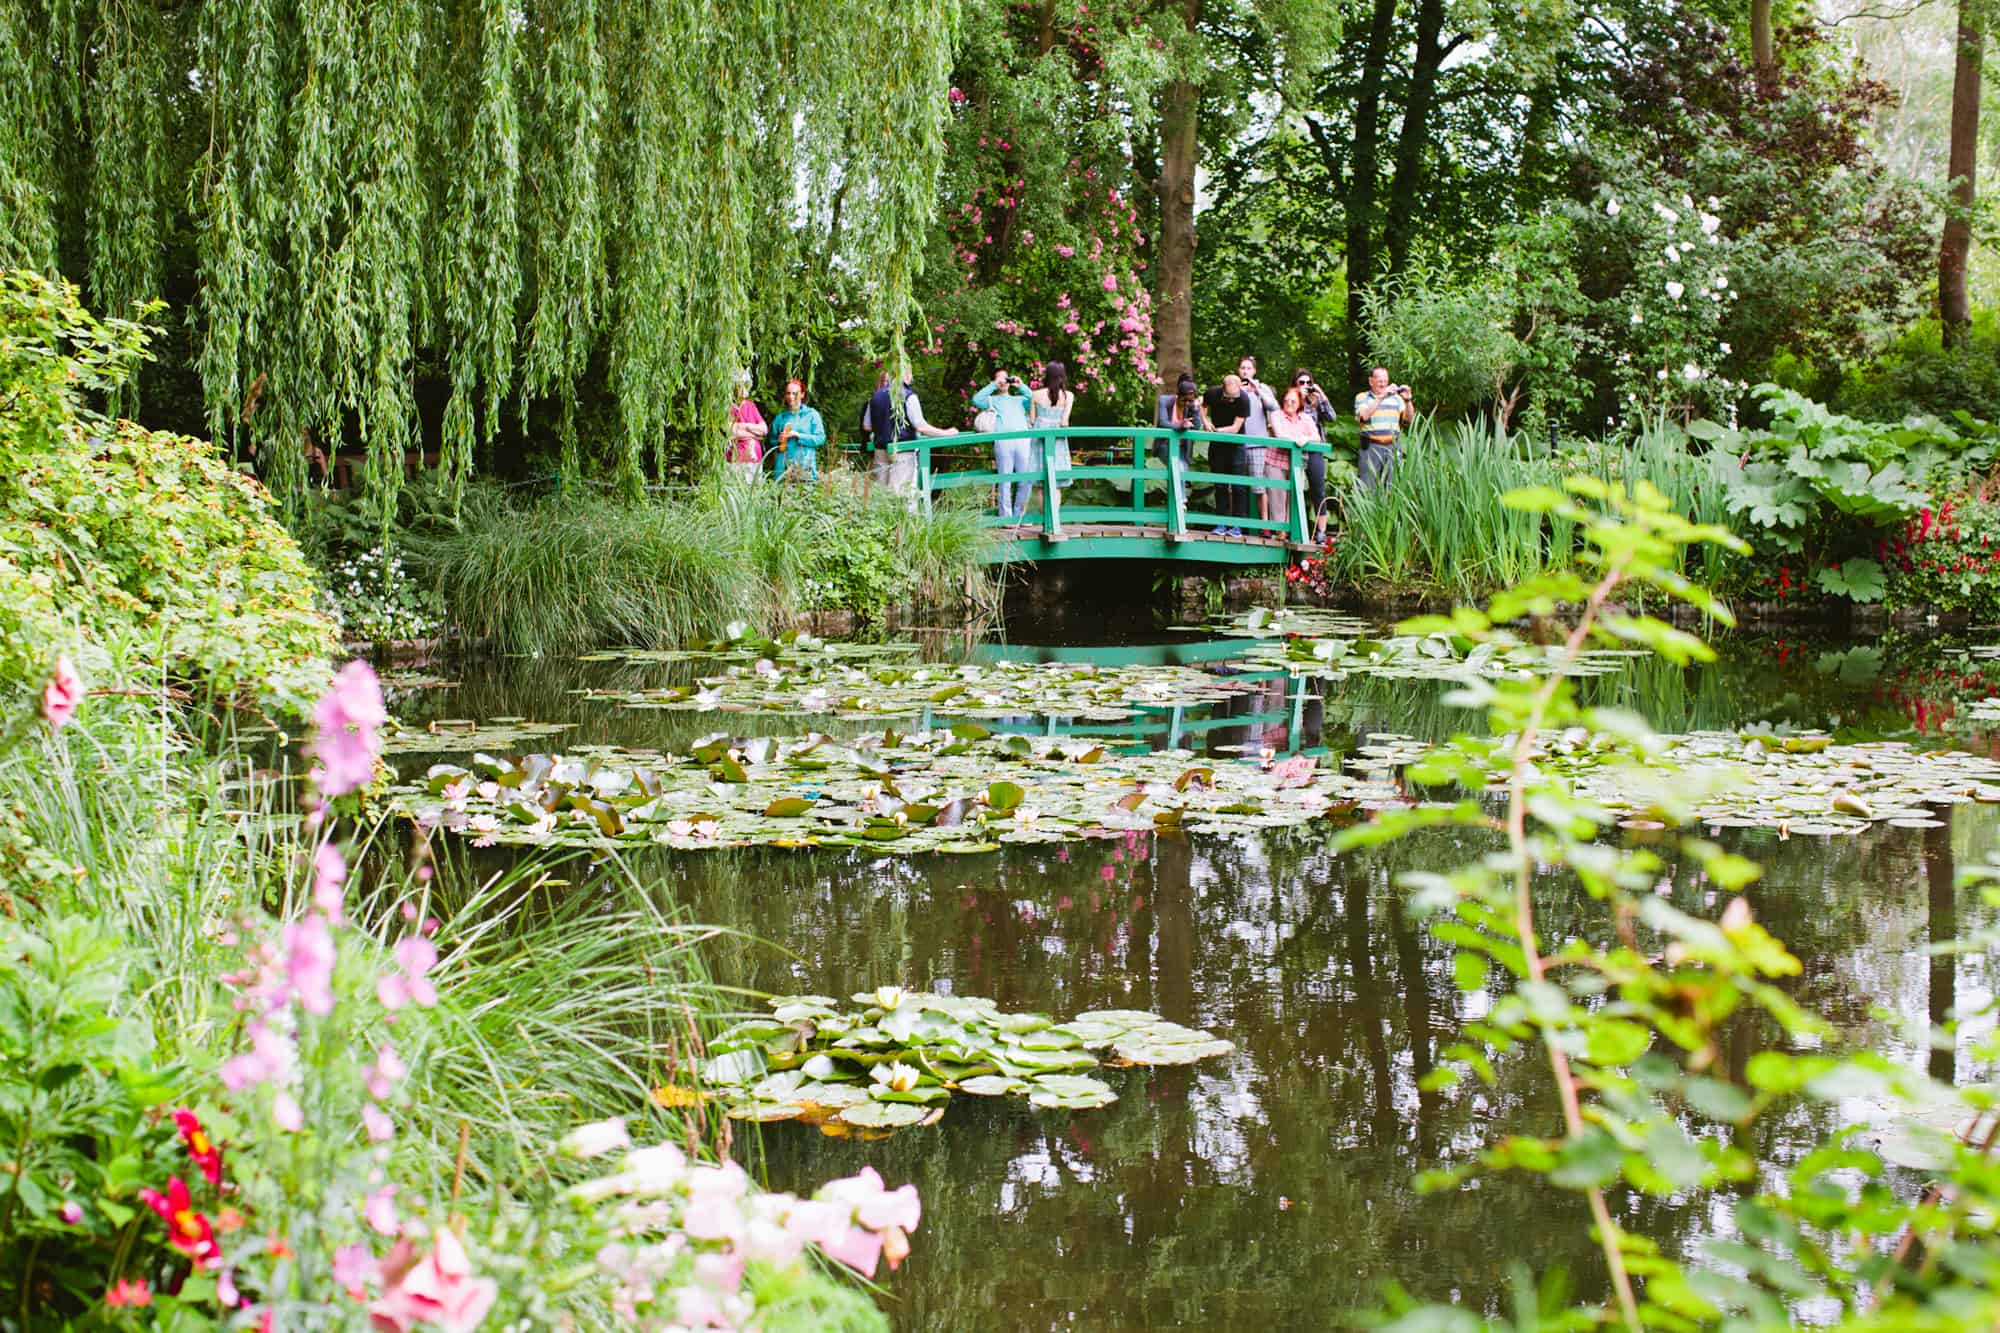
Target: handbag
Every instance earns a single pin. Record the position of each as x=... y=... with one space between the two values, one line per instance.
x=986 y=422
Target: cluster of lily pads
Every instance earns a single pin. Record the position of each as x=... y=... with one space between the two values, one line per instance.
x=739 y=642
x=1806 y=784
x=897 y=1060
x=961 y=789
x=1424 y=657
x=463 y=735
x=820 y=685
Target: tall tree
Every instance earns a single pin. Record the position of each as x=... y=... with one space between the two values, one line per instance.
x=513 y=201
x=1962 y=170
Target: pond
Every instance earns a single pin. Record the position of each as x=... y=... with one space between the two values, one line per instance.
x=1272 y=1187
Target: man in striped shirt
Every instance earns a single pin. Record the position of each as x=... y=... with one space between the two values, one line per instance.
x=1382 y=411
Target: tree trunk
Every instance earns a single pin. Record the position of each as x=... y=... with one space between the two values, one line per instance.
x=1361 y=186
x=1173 y=320
x=1413 y=144
x=1763 y=47
x=1954 y=303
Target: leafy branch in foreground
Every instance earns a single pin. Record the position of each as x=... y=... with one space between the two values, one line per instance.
x=1635 y=1022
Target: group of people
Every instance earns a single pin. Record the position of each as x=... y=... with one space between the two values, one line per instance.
x=1242 y=405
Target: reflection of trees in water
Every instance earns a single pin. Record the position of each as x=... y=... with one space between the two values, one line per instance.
x=1274 y=1186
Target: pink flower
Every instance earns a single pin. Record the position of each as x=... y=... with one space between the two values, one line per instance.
x=384 y=1074
x=71 y=1213
x=329 y=873
x=354 y=1268
x=345 y=721
x=1066 y=251
x=286 y=1113
x=62 y=694
x=225 y=1290
x=379 y=1210
x=309 y=962
x=857 y=1247
x=957 y=95
x=377 y=1122
x=1295 y=770
x=875 y=1207
x=438 y=1289
x=416 y=956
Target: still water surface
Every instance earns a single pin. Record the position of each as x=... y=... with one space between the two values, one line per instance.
x=1273 y=1189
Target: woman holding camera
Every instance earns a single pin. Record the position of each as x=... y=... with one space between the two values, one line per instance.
x=1008 y=399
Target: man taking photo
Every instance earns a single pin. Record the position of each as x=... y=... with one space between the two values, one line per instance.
x=1382 y=411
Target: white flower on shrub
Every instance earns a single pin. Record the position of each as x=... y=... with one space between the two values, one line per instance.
x=1611 y=207
x=1690 y=372
x=1675 y=290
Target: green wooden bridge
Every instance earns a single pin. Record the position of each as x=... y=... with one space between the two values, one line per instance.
x=1152 y=521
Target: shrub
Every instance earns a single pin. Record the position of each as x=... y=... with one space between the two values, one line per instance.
x=1915 y=374
x=113 y=533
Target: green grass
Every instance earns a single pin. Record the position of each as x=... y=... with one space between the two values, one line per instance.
x=565 y=574
x=566 y=992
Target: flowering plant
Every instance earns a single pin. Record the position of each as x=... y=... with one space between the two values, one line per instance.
x=377 y=600
x=1947 y=558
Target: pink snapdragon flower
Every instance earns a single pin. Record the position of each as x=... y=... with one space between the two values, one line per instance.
x=62 y=694
x=309 y=959
x=436 y=1290
x=329 y=874
x=385 y=1073
x=345 y=722
x=415 y=956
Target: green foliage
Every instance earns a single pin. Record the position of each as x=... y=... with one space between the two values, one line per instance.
x=113 y=535
x=1449 y=338
x=377 y=601
x=1916 y=373
x=568 y=573
x=1631 y=1014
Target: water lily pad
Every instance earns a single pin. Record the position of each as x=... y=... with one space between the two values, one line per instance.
x=993 y=1085
x=881 y=1115
x=1070 y=1092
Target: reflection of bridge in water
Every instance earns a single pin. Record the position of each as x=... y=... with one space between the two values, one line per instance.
x=1147 y=480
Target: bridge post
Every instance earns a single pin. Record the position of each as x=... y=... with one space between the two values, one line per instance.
x=1051 y=496
x=1138 y=482
x=1298 y=472
x=924 y=473
x=1176 y=493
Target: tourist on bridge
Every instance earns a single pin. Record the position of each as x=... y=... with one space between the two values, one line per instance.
x=1259 y=459
x=1228 y=406
x=1008 y=400
x=1383 y=410
x=896 y=469
x=1326 y=420
x=800 y=434
x=1291 y=422
x=1053 y=403
x=1179 y=410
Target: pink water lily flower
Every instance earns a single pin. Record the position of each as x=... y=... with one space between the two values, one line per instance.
x=62 y=694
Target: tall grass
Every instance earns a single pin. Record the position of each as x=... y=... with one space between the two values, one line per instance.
x=559 y=1001
x=567 y=573
x=1439 y=528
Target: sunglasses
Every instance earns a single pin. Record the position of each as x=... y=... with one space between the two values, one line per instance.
x=1304 y=384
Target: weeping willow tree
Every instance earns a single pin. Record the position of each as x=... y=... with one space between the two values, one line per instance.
x=531 y=201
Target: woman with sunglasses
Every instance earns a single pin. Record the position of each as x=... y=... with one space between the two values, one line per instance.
x=1324 y=418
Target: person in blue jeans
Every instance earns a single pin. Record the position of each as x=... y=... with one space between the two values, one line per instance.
x=1007 y=398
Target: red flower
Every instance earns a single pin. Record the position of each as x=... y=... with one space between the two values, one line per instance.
x=187 y=1229
x=127 y=1291
x=200 y=1147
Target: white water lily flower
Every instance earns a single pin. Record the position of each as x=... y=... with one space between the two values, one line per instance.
x=1675 y=290
x=1611 y=207
x=895 y=1076
x=888 y=996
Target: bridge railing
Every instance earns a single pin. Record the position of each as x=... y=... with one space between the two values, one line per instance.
x=1174 y=469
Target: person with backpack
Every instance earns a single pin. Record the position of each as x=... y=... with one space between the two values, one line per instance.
x=896 y=468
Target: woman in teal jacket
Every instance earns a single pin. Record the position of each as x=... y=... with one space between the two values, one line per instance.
x=799 y=434
x=1008 y=399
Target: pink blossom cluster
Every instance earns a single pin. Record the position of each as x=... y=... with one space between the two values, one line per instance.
x=687 y=1232
x=345 y=723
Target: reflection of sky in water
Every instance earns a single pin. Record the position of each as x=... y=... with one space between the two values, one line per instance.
x=1273 y=1188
